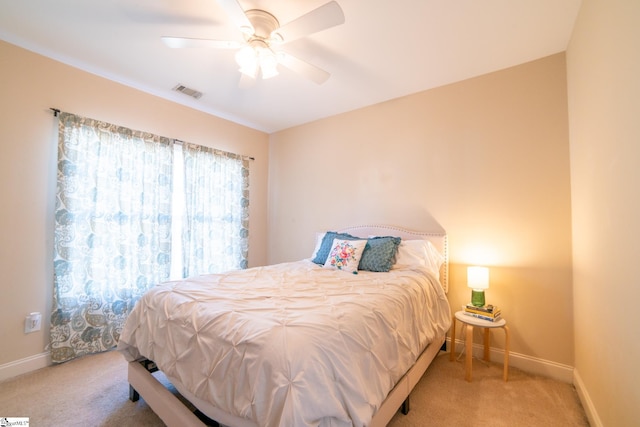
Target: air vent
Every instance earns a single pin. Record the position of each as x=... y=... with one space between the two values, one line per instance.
x=188 y=91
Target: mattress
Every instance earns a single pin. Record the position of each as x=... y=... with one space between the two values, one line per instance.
x=290 y=344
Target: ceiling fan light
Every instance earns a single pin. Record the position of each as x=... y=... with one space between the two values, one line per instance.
x=268 y=63
x=250 y=71
x=247 y=57
x=268 y=70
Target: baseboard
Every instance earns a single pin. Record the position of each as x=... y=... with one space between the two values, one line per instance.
x=529 y=364
x=23 y=366
x=532 y=365
x=585 y=399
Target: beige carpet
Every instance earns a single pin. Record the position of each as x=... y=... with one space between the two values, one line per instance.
x=93 y=391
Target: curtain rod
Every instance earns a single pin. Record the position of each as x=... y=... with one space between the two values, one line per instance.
x=56 y=111
x=181 y=142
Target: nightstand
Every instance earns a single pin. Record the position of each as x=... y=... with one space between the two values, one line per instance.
x=469 y=322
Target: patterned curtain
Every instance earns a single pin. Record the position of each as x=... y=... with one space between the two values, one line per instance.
x=112 y=230
x=217 y=211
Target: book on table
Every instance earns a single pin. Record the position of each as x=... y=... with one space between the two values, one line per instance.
x=490 y=313
x=490 y=309
x=480 y=316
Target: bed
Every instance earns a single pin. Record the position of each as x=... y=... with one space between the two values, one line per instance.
x=296 y=343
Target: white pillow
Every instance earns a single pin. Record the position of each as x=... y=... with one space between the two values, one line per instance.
x=345 y=255
x=422 y=253
x=319 y=237
x=434 y=259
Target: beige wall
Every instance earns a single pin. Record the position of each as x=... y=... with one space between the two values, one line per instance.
x=30 y=85
x=603 y=68
x=488 y=158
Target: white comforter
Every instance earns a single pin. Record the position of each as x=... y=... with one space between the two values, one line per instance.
x=291 y=344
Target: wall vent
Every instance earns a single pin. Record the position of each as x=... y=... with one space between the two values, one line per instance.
x=188 y=91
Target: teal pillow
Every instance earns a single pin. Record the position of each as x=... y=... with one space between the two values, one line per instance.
x=379 y=254
x=327 y=242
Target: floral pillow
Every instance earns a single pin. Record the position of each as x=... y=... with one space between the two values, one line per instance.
x=321 y=252
x=345 y=255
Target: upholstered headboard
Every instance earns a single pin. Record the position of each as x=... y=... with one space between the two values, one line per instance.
x=438 y=238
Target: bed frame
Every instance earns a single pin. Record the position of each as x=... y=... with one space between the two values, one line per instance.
x=173 y=412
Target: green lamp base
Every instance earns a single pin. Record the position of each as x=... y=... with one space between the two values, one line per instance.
x=477 y=297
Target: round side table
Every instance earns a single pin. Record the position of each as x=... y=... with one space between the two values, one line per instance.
x=470 y=322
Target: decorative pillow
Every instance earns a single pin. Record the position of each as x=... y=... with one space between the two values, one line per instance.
x=327 y=242
x=421 y=253
x=319 y=237
x=380 y=253
x=345 y=255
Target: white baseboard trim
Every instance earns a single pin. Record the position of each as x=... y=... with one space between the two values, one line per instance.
x=587 y=403
x=529 y=364
x=532 y=365
x=23 y=366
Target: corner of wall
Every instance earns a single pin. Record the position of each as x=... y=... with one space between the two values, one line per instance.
x=529 y=364
x=585 y=399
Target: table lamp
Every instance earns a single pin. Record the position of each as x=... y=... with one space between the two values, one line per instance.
x=478 y=281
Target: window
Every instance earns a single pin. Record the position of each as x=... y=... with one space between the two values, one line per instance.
x=132 y=210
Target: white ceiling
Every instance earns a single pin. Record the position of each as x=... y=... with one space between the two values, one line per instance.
x=384 y=50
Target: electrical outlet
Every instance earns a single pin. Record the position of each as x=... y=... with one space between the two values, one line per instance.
x=32 y=322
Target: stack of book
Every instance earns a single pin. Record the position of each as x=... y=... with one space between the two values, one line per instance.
x=486 y=312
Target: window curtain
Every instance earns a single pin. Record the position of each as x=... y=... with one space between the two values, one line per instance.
x=112 y=230
x=215 y=236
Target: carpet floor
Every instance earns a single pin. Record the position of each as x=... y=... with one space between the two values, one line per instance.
x=93 y=391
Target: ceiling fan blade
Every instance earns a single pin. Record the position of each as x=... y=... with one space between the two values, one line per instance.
x=326 y=16
x=237 y=15
x=182 y=42
x=299 y=66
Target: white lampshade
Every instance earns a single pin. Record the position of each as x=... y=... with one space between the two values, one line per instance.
x=247 y=59
x=268 y=63
x=478 y=277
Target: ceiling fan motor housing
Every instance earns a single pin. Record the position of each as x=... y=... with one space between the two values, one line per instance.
x=263 y=23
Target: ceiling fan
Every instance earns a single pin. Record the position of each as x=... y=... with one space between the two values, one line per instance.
x=258 y=54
